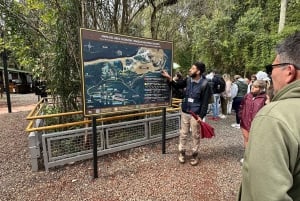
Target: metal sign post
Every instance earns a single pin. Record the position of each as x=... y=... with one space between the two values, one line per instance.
x=95 y=158
x=5 y=58
x=163 y=131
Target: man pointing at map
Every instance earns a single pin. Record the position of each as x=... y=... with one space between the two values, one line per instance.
x=196 y=97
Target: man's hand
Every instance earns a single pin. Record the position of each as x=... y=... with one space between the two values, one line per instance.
x=196 y=117
x=199 y=120
x=166 y=75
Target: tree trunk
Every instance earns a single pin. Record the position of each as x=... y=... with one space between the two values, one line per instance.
x=156 y=8
x=283 y=6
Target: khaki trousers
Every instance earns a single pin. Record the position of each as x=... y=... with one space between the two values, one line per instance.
x=187 y=123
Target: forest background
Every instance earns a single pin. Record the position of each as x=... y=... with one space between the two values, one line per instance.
x=233 y=36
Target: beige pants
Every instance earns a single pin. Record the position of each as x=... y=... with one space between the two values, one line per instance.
x=187 y=123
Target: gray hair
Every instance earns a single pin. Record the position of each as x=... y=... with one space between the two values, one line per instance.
x=289 y=50
x=260 y=83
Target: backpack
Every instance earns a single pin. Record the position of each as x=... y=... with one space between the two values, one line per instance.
x=233 y=90
x=219 y=84
x=242 y=88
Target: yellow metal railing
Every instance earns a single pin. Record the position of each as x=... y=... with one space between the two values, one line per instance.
x=34 y=115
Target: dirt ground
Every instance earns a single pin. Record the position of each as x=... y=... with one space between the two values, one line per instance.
x=19 y=102
x=139 y=174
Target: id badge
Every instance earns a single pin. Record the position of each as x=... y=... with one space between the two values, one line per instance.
x=190 y=100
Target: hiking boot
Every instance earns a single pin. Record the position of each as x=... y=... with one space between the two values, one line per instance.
x=195 y=159
x=181 y=157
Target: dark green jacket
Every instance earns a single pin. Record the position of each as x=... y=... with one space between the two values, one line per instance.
x=242 y=88
x=271 y=168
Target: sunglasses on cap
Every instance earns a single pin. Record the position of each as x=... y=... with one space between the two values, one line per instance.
x=270 y=67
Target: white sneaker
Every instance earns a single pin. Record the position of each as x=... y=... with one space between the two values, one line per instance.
x=236 y=126
x=181 y=157
x=242 y=161
x=222 y=116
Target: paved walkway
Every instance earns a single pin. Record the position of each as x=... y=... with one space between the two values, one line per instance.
x=17 y=108
x=19 y=102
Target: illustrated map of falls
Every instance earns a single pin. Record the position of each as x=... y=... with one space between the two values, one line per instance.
x=120 y=75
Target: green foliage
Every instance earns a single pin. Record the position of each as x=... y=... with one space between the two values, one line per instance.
x=293 y=8
x=65 y=79
x=233 y=36
x=48 y=34
x=247 y=30
x=241 y=39
x=210 y=40
x=21 y=40
x=48 y=109
x=183 y=58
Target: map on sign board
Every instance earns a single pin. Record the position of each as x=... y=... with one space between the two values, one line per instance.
x=123 y=73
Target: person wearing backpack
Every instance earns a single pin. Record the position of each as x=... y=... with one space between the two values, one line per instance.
x=226 y=99
x=196 y=98
x=218 y=87
x=237 y=100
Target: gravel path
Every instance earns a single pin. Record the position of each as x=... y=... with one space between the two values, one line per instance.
x=140 y=174
x=19 y=102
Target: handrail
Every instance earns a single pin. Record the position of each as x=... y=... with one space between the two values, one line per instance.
x=53 y=115
x=33 y=116
x=78 y=123
x=35 y=108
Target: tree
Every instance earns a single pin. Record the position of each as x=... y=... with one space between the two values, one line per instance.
x=22 y=27
x=65 y=76
x=211 y=37
x=155 y=9
x=228 y=34
x=111 y=15
x=282 y=15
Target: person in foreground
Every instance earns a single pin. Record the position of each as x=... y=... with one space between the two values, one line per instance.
x=196 y=98
x=271 y=168
x=251 y=104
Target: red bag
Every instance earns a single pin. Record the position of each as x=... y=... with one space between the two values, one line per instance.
x=207 y=131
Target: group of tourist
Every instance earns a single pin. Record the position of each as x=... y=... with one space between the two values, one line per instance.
x=266 y=113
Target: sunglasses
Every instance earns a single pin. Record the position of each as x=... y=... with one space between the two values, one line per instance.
x=270 y=67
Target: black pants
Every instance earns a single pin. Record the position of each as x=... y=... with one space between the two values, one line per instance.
x=236 y=106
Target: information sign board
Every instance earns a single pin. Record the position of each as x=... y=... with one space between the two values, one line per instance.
x=123 y=73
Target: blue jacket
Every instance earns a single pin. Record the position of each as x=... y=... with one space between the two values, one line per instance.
x=196 y=97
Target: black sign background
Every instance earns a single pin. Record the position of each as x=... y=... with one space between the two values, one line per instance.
x=123 y=73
